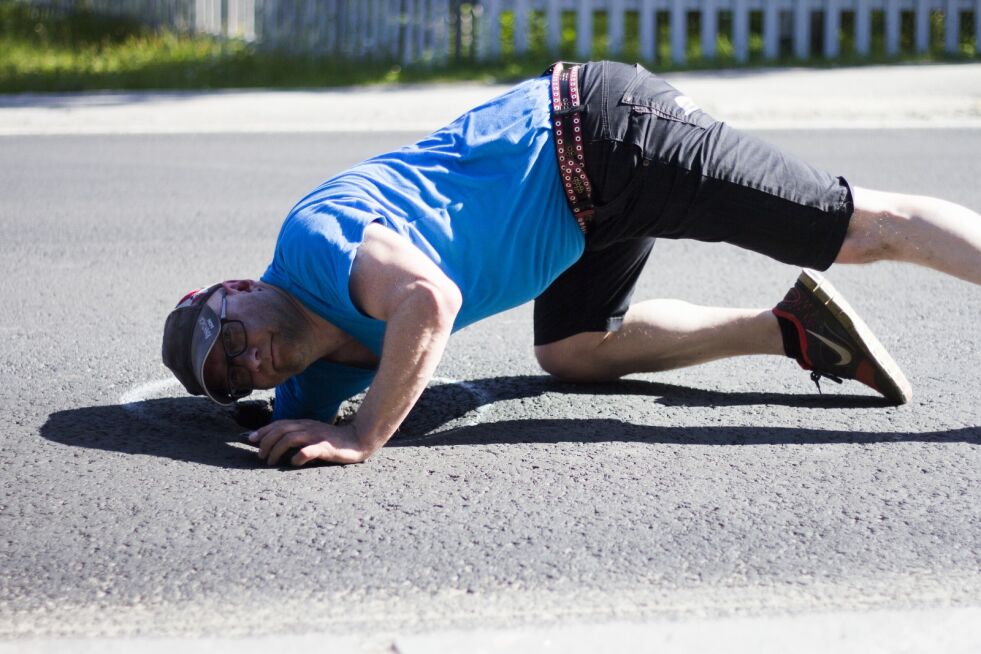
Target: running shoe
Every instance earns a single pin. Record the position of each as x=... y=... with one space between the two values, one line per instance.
x=834 y=343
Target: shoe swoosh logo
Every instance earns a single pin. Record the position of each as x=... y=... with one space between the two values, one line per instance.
x=844 y=356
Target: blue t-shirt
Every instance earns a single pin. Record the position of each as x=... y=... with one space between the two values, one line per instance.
x=480 y=197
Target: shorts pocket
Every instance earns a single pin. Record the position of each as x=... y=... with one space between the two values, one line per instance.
x=650 y=95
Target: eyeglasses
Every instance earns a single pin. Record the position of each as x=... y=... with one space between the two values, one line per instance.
x=234 y=341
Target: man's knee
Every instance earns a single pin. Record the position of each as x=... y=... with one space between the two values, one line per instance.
x=874 y=231
x=573 y=358
x=865 y=241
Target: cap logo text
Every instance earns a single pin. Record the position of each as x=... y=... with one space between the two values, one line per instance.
x=207 y=326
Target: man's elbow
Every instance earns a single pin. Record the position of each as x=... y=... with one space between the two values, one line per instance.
x=441 y=301
x=452 y=299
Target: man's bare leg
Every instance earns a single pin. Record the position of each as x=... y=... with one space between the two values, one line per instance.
x=664 y=334
x=661 y=335
x=916 y=229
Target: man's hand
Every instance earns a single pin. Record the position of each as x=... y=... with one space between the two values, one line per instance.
x=316 y=440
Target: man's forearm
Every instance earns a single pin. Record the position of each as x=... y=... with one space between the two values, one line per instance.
x=415 y=338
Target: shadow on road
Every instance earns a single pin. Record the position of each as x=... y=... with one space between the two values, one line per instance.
x=505 y=388
x=195 y=430
x=183 y=429
x=604 y=430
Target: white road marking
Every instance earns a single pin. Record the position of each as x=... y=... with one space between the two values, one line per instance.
x=483 y=399
x=484 y=402
x=131 y=398
x=952 y=630
x=944 y=630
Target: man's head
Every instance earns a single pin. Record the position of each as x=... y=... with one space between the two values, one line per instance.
x=230 y=338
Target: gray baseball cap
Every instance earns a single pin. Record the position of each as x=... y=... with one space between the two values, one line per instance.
x=191 y=331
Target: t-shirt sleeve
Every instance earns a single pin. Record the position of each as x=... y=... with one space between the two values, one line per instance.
x=314 y=256
x=317 y=392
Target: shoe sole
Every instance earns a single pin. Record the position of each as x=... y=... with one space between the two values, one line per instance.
x=897 y=388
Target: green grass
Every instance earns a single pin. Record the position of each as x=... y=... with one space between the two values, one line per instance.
x=44 y=51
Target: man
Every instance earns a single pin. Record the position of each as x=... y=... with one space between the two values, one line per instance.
x=555 y=192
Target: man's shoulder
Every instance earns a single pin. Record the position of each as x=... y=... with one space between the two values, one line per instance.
x=334 y=220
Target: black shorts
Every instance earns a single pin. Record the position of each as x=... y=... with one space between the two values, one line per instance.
x=661 y=167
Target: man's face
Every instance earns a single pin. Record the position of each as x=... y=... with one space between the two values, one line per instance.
x=276 y=343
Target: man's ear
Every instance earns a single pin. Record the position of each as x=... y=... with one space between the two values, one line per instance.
x=233 y=286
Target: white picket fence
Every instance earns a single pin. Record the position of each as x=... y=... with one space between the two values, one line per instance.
x=413 y=31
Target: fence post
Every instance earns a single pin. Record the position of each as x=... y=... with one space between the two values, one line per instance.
x=802 y=29
x=892 y=27
x=614 y=27
x=176 y=16
x=421 y=28
x=432 y=19
x=315 y=23
x=287 y=25
x=280 y=33
x=333 y=20
x=977 y=27
x=710 y=28
x=388 y=44
x=364 y=28
x=179 y=22
x=832 y=16
x=863 y=28
x=200 y=26
x=520 y=27
x=648 y=33
x=299 y=38
x=771 y=30
x=295 y=40
x=584 y=29
x=952 y=26
x=740 y=30
x=922 y=25
x=265 y=24
x=375 y=29
x=350 y=22
x=367 y=19
x=250 y=11
x=408 y=37
x=324 y=28
x=553 y=19
x=232 y=28
x=393 y=21
x=441 y=48
x=490 y=31
x=679 y=27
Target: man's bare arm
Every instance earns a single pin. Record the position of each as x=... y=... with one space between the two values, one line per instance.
x=394 y=281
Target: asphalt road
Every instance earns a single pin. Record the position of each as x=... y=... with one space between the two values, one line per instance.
x=507 y=498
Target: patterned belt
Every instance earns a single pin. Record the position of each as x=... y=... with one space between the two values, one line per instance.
x=567 y=126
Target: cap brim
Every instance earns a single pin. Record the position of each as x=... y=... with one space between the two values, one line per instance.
x=207 y=329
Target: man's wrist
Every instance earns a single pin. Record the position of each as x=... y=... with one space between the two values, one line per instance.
x=365 y=440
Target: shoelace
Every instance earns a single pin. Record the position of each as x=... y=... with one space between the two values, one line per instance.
x=816 y=378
